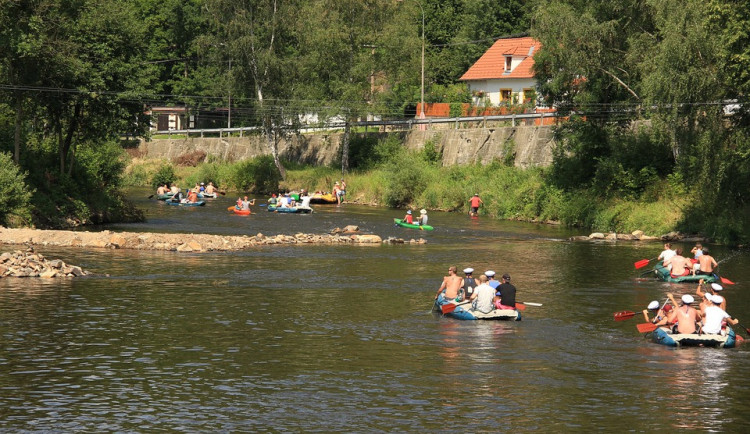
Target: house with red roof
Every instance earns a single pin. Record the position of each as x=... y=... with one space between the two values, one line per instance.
x=504 y=74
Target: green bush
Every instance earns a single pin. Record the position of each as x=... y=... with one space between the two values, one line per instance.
x=15 y=195
x=164 y=175
x=259 y=175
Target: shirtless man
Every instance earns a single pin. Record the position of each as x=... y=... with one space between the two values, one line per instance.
x=451 y=284
x=685 y=315
x=707 y=263
x=679 y=265
x=210 y=188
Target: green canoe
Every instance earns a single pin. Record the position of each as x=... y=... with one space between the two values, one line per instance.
x=401 y=223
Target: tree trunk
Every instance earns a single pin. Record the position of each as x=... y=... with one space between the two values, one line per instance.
x=65 y=145
x=345 y=147
x=17 y=133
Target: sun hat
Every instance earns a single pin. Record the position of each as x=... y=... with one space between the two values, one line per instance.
x=489 y=273
x=423 y=211
x=468 y=270
x=653 y=305
x=202 y=183
x=687 y=299
x=408 y=212
x=716 y=287
x=717 y=299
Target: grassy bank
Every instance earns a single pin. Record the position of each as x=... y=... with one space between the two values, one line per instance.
x=402 y=179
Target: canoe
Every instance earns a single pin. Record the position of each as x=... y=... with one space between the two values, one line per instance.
x=323 y=198
x=403 y=224
x=164 y=196
x=465 y=312
x=207 y=196
x=241 y=211
x=292 y=210
x=665 y=337
x=199 y=203
x=663 y=274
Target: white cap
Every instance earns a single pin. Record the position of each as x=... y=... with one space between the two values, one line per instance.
x=717 y=299
x=423 y=211
x=716 y=287
x=489 y=273
x=653 y=305
x=408 y=212
x=468 y=270
x=687 y=299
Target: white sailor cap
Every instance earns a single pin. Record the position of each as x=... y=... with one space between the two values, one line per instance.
x=687 y=299
x=653 y=305
x=716 y=287
x=489 y=273
x=717 y=299
x=468 y=270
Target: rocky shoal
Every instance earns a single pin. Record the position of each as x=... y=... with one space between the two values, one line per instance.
x=185 y=242
x=637 y=236
x=31 y=264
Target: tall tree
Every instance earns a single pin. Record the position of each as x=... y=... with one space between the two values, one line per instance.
x=259 y=37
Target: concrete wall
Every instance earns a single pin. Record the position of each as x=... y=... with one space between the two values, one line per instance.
x=532 y=146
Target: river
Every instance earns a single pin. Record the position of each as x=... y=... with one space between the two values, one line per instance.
x=341 y=338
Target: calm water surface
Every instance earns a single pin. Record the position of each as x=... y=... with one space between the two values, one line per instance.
x=340 y=338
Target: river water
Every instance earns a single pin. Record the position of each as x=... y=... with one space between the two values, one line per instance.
x=340 y=338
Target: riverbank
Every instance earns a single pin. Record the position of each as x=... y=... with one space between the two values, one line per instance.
x=187 y=243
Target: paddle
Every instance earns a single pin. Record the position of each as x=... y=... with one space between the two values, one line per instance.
x=726 y=281
x=646 y=272
x=642 y=263
x=623 y=315
x=646 y=327
x=151 y=196
x=521 y=305
x=450 y=307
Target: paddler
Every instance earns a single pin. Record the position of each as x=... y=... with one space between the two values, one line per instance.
x=685 y=315
x=408 y=218
x=449 y=288
x=660 y=313
x=715 y=315
x=505 y=297
x=469 y=282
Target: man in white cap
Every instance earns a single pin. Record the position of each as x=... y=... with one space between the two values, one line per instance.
x=422 y=220
x=712 y=321
x=491 y=279
x=469 y=283
x=713 y=289
x=661 y=312
x=685 y=315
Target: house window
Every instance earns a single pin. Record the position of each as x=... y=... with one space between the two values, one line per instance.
x=508 y=63
x=529 y=96
x=505 y=95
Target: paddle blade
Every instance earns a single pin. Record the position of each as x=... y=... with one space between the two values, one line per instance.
x=726 y=281
x=230 y=208
x=528 y=303
x=623 y=315
x=448 y=308
x=646 y=327
x=642 y=263
x=520 y=306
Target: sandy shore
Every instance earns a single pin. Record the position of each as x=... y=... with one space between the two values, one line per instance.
x=180 y=242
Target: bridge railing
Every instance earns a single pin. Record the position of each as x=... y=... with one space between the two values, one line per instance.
x=405 y=124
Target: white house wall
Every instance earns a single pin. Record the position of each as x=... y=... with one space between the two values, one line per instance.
x=491 y=88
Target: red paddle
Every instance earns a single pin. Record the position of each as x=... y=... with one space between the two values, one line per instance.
x=642 y=263
x=520 y=306
x=726 y=281
x=450 y=307
x=623 y=315
x=646 y=327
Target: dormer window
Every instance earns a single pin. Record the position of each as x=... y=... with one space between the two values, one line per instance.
x=508 y=63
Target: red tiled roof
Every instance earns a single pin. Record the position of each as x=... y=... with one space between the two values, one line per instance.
x=492 y=62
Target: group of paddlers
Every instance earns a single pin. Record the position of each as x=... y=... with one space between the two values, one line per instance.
x=710 y=317
x=701 y=264
x=191 y=194
x=485 y=293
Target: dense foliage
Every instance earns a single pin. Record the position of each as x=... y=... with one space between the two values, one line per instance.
x=655 y=90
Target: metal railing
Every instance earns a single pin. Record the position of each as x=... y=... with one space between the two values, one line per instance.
x=514 y=119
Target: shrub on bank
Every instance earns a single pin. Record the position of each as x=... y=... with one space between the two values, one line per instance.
x=15 y=195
